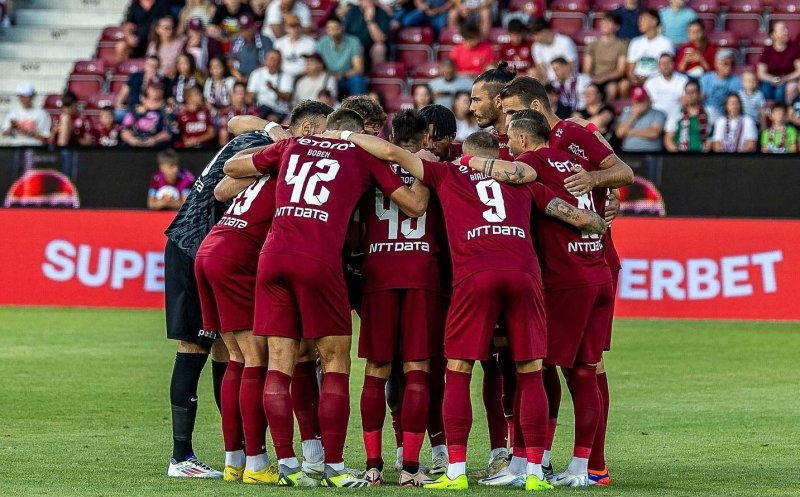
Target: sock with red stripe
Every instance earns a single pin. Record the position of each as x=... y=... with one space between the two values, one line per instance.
x=582 y=385
x=278 y=407
x=436 y=434
x=229 y=399
x=552 y=386
x=251 y=405
x=305 y=402
x=416 y=400
x=533 y=418
x=457 y=414
x=373 y=412
x=493 y=403
x=597 y=460
x=334 y=413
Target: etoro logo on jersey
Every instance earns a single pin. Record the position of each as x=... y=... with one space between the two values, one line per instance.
x=405 y=236
x=491 y=195
x=307 y=182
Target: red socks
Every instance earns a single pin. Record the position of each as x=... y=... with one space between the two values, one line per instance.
x=251 y=404
x=552 y=385
x=229 y=401
x=532 y=414
x=397 y=426
x=334 y=413
x=493 y=402
x=305 y=399
x=373 y=411
x=457 y=414
x=597 y=461
x=435 y=422
x=509 y=369
x=416 y=399
x=586 y=400
x=278 y=406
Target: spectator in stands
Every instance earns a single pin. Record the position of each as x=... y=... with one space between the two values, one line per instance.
x=549 y=45
x=414 y=13
x=149 y=124
x=570 y=85
x=640 y=125
x=422 y=96
x=130 y=94
x=70 y=128
x=596 y=110
x=170 y=186
x=734 y=132
x=165 y=44
x=475 y=11
x=314 y=81
x=780 y=137
x=270 y=89
x=718 y=84
x=448 y=83
x=344 y=58
x=473 y=54
x=275 y=18
x=5 y=8
x=779 y=66
x=199 y=45
x=370 y=24
x=794 y=112
x=238 y=107
x=248 y=49
x=187 y=77
x=666 y=89
x=294 y=46
x=194 y=122
x=26 y=124
x=466 y=124
x=644 y=51
x=326 y=97
x=696 y=57
x=687 y=131
x=533 y=9
x=605 y=60
x=517 y=52
x=105 y=131
x=675 y=19
x=555 y=100
x=226 y=23
x=753 y=100
x=628 y=14
x=219 y=85
x=202 y=10
x=138 y=20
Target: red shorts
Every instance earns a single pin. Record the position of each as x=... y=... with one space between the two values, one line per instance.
x=614 y=282
x=227 y=290
x=300 y=297
x=577 y=324
x=409 y=321
x=481 y=300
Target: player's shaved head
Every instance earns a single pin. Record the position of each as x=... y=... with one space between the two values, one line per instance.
x=345 y=120
x=308 y=117
x=482 y=144
x=409 y=129
x=373 y=114
x=532 y=123
x=525 y=91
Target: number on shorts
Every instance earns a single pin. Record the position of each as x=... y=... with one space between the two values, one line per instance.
x=304 y=184
x=492 y=196
x=392 y=214
x=244 y=200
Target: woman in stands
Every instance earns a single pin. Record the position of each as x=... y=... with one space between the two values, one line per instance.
x=697 y=56
x=735 y=132
x=466 y=123
x=422 y=95
x=187 y=76
x=165 y=43
x=219 y=85
x=597 y=111
x=779 y=67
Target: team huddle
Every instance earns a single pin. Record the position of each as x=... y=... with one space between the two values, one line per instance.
x=493 y=251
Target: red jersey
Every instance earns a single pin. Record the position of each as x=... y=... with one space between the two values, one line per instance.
x=80 y=128
x=505 y=152
x=105 y=136
x=487 y=223
x=573 y=138
x=230 y=112
x=319 y=185
x=520 y=56
x=395 y=241
x=192 y=124
x=569 y=257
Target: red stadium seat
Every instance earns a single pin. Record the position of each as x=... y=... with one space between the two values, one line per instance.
x=99 y=100
x=656 y=4
x=572 y=6
x=129 y=67
x=787 y=7
x=603 y=6
x=743 y=25
x=388 y=79
x=389 y=70
x=498 y=36
x=52 y=102
x=760 y=39
x=585 y=37
x=792 y=22
x=567 y=23
x=537 y=7
x=450 y=36
x=723 y=39
x=745 y=7
x=415 y=36
x=443 y=52
x=752 y=55
x=424 y=72
x=413 y=55
x=89 y=67
x=84 y=86
x=111 y=33
x=743 y=69
x=705 y=6
x=399 y=103
x=107 y=52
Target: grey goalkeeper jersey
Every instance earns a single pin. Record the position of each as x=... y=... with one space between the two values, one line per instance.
x=201 y=211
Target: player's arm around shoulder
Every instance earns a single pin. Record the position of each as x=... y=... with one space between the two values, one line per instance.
x=513 y=172
x=383 y=150
x=413 y=200
x=229 y=187
x=583 y=219
x=244 y=123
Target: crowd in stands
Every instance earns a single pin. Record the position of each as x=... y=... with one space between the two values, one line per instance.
x=650 y=79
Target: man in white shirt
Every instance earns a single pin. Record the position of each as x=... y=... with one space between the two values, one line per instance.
x=270 y=87
x=548 y=46
x=666 y=89
x=294 y=46
x=274 y=18
x=644 y=50
x=25 y=124
x=315 y=80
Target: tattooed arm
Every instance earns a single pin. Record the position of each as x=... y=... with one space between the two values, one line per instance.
x=504 y=171
x=583 y=219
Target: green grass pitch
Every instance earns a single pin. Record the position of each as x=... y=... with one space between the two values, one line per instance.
x=698 y=408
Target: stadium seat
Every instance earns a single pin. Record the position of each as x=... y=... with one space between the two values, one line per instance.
x=752 y=55
x=656 y=4
x=585 y=37
x=415 y=36
x=755 y=47
x=787 y=7
x=443 y=52
x=388 y=79
x=723 y=39
x=567 y=23
x=111 y=34
x=498 y=36
x=106 y=51
x=84 y=86
x=707 y=12
x=52 y=104
x=744 y=18
x=389 y=70
x=742 y=69
x=320 y=10
x=90 y=67
x=603 y=6
x=399 y=102
x=538 y=6
x=414 y=46
x=129 y=67
x=424 y=72
x=450 y=36
x=99 y=100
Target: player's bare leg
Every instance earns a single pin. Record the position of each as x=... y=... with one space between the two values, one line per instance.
x=414 y=413
x=373 y=412
x=232 y=431
x=598 y=469
x=305 y=402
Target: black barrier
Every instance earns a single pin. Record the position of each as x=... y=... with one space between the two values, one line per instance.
x=703 y=185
